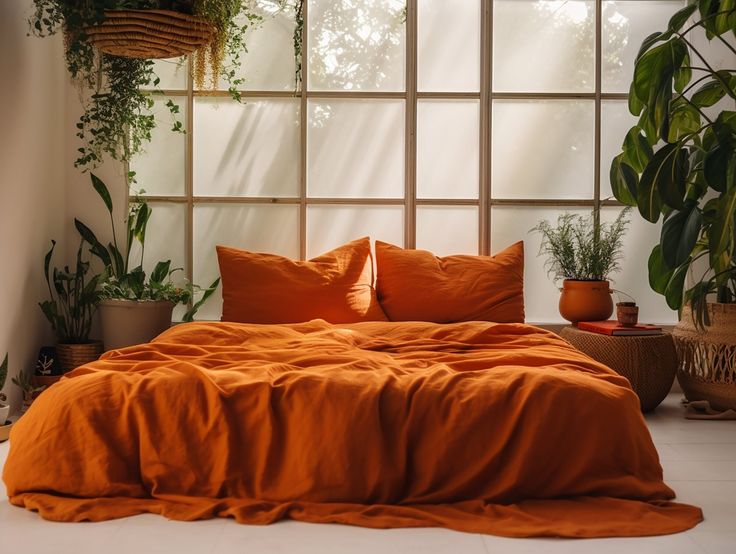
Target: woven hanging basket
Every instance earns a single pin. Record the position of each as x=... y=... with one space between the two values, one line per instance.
x=707 y=358
x=149 y=34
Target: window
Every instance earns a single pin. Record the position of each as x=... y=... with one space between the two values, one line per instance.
x=451 y=126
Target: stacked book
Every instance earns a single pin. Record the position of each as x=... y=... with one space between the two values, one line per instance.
x=614 y=328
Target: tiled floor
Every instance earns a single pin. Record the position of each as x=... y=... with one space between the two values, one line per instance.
x=699 y=459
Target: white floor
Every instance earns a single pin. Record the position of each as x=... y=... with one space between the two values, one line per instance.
x=699 y=459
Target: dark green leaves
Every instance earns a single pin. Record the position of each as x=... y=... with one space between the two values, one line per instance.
x=681 y=17
x=636 y=149
x=624 y=181
x=664 y=178
x=101 y=189
x=680 y=232
x=659 y=273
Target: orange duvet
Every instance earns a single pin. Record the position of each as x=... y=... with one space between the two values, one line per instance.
x=480 y=427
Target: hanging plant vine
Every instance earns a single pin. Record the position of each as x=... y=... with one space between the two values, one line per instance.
x=117 y=92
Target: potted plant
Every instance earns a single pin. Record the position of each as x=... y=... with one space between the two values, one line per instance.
x=583 y=252
x=71 y=304
x=109 y=47
x=678 y=163
x=135 y=307
x=4 y=408
x=30 y=390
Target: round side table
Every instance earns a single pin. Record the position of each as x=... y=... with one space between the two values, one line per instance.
x=648 y=362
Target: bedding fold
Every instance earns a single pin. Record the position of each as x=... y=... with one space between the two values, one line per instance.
x=479 y=427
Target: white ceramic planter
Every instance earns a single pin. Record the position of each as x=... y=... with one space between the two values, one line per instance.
x=4 y=413
x=129 y=322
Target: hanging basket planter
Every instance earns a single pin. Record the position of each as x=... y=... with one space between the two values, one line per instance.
x=149 y=34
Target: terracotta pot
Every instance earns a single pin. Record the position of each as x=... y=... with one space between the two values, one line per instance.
x=627 y=314
x=707 y=367
x=129 y=322
x=585 y=300
x=71 y=356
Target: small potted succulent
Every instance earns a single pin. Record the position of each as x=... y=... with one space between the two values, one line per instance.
x=69 y=308
x=135 y=307
x=583 y=252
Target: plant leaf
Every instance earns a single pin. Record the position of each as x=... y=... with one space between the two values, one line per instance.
x=656 y=176
x=675 y=287
x=101 y=189
x=624 y=181
x=680 y=233
x=160 y=272
x=189 y=316
x=637 y=151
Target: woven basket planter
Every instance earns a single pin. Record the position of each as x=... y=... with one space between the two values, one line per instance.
x=707 y=358
x=149 y=34
x=71 y=356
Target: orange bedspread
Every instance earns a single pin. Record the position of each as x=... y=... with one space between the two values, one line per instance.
x=491 y=428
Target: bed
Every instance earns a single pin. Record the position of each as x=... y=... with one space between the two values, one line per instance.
x=479 y=427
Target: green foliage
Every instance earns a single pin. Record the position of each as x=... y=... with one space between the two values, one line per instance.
x=679 y=161
x=3 y=377
x=117 y=119
x=582 y=248
x=72 y=298
x=121 y=278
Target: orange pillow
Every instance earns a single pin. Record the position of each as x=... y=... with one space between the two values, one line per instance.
x=416 y=285
x=266 y=288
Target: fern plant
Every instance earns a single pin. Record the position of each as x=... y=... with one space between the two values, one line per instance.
x=582 y=248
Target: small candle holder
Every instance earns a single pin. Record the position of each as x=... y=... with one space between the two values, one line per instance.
x=627 y=313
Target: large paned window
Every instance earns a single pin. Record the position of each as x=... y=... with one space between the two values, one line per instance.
x=452 y=126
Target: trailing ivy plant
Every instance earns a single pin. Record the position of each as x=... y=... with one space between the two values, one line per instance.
x=679 y=161
x=117 y=91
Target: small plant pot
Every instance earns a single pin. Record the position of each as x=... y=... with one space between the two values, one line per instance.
x=5 y=427
x=585 y=300
x=129 y=322
x=71 y=356
x=4 y=413
x=627 y=314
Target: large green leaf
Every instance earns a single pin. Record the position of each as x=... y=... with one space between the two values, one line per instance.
x=189 y=316
x=708 y=9
x=675 y=287
x=681 y=17
x=684 y=120
x=720 y=239
x=101 y=189
x=637 y=151
x=723 y=21
x=160 y=272
x=624 y=181
x=664 y=175
x=659 y=273
x=683 y=74
x=96 y=246
x=680 y=233
x=708 y=94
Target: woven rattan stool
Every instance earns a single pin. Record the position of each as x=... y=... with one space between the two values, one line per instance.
x=649 y=362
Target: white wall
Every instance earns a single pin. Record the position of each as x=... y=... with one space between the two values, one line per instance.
x=32 y=181
x=40 y=190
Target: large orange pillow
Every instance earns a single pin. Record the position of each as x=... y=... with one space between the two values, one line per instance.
x=416 y=285
x=266 y=288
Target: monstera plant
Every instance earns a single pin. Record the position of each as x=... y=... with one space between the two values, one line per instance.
x=679 y=161
x=679 y=164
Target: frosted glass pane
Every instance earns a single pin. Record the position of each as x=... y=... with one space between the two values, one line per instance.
x=248 y=149
x=160 y=168
x=543 y=46
x=331 y=226
x=625 y=25
x=512 y=224
x=719 y=56
x=355 y=149
x=543 y=149
x=269 y=63
x=446 y=230
x=615 y=123
x=172 y=73
x=255 y=227
x=633 y=279
x=357 y=45
x=448 y=49
x=447 y=149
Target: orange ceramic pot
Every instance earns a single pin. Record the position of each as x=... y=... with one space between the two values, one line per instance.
x=585 y=300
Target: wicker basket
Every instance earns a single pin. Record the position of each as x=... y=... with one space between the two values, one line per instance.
x=71 y=356
x=149 y=34
x=707 y=367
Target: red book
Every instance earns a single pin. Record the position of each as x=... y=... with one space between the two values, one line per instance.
x=613 y=327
